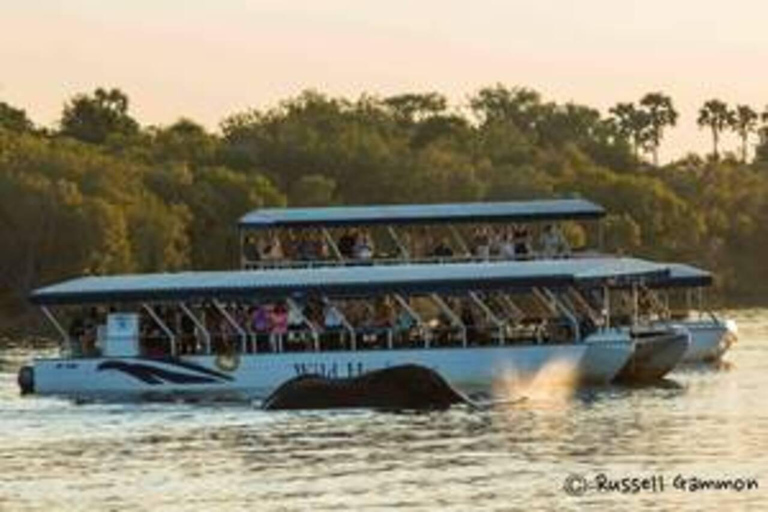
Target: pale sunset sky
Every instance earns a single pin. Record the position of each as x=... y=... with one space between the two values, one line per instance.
x=208 y=59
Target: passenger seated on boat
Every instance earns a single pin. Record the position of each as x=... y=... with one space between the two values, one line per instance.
x=363 y=249
x=384 y=315
x=314 y=311
x=333 y=326
x=553 y=243
x=506 y=246
x=522 y=241
x=304 y=248
x=346 y=243
x=223 y=336
x=482 y=244
x=298 y=337
x=366 y=326
x=152 y=340
x=291 y=246
x=405 y=329
x=278 y=326
x=273 y=250
x=76 y=332
x=467 y=316
x=90 y=333
x=443 y=330
x=421 y=243
x=188 y=343
x=251 y=250
x=259 y=326
x=443 y=249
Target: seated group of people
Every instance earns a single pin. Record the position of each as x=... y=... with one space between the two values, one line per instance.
x=510 y=243
x=513 y=242
x=308 y=245
x=313 y=323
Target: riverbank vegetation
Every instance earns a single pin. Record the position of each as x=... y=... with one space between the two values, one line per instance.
x=101 y=193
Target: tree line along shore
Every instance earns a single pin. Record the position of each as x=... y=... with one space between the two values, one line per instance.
x=100 y=193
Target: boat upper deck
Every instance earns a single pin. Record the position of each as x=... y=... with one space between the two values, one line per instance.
x=418 y=233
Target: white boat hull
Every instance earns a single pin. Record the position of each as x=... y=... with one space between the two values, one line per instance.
x=710 y=339
x=257 y=375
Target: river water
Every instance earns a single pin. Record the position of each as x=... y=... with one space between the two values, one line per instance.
x=703 y=423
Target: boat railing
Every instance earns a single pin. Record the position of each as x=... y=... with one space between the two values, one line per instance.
x=321 y=263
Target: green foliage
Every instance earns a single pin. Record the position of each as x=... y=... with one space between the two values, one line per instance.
x=717 y=116
x=744 y=123
x=95 y=118
x=105 y=195
x=14 y=119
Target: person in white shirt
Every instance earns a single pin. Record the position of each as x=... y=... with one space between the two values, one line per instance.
x=507 y=247
x=553 y=243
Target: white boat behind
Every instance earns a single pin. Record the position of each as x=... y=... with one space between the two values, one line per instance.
x=710 y=339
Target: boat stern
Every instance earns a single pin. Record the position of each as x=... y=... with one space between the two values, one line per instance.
x=710 y=340
x=657 y=352
x=607 y=352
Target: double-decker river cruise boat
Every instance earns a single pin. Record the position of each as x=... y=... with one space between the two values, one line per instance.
x=460 y=232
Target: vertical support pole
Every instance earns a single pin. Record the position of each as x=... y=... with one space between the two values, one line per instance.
x=459 y=240
x=332 y=244
x=500 y=324
x=66 y=341
x=700 y=300
x=241 y=237
x=635 y=306
x=231 y=321
x=517 y=313
x=163 y=326
x=558 y=305
x=399 y=243
x=607 y=306
x=200 y=325
x=455 y=320
x=579 y=298
x=404 y=304
x=600 y=236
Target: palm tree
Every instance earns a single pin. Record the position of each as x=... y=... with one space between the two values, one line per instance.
x=632 y=124
x=661 y=113
x=744 y=123
x=716 y=116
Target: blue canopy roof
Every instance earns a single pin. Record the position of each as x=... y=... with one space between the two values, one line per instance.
x=685 y=276
x=555 y=209
x=340 y=281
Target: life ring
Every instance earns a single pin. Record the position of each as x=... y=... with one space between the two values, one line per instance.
x=228 y=361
